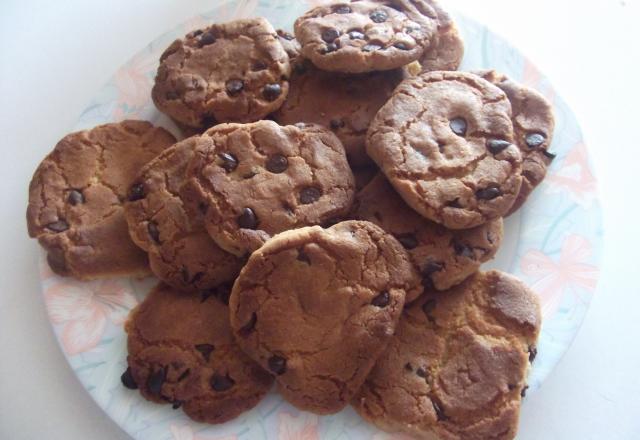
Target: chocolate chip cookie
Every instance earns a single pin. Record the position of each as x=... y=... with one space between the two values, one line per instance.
x=236 y=71
x=344 y=103
x=533 y=124
x=181 y=253
x=316 y=307
x=191 y=363
x=255 y=180
x=457 y=365
x=76 y=196
x=445 y=142
x=366 y=36
x=443 y=256
x=447 y=49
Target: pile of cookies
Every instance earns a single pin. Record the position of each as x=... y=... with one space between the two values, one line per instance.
x=321 y=227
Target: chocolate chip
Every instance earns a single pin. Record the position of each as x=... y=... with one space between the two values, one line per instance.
x=342 y=9
x=439 y=412
x=533 y=352
x=271 y=92
x=409 y=241
x=488 y=193
x=428 y=307
x=523 y=393
x=277 y=365
x=285 y=35
x=205 y=350
x=154 y=232
x=302 y=256
x=309 y=195
x=228 y=162
x=258 y=66
x=75 y=197
x=331 y=47
x=401 y=46
x=408 y=367
x=206 y=39
x=171 y=95
x=330 y=35
x=277 y=164
x=421 y=372
x=463 y=250
x=136 y=192
x=432 y=267
x=248 y=219
x=371 y=47
x=176 y=404
x=458 y=126
x=234 y=86
x=534 y=140
x=127 y=379
x=356 y=35
x=379 y=16
x=336 y=124
x=184 y=375
x=511 y=387
x=156 y=380
x=381 y=300
x=496 y=146
x=196 y=32
x=221 y=383
x=454 y=204
x=59 y=226
x=246 y=329
x=549 y=155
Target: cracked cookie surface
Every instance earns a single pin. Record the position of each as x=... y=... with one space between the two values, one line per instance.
x=346 y=104
x=447 y=50
x=316 y=307
x=76 y=199
x=230 y=72
x=191 y=363
x=442 y=256
x=181 y=253
x=533 y=125
x=256 y=180
x=457 y=365
x=366 y=36
x=445 y=142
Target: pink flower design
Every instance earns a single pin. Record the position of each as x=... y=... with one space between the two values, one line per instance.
x=185 y=432
x=569 y=271
x=82 y=309
x=303 y=427
x=575 y=175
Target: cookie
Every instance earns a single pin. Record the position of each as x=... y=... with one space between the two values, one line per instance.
x=447 y=50
x=443 y=256
x=346 y=104
x=457 y=365
x=181 y=253
x=366 y=36
x=76 y=196
x=533 y=124
x=256 y=180
x=191 y=363
x=316 y=307
x=230 y=72
x=445 y=142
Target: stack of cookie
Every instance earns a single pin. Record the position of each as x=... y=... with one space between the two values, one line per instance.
x=323 y=225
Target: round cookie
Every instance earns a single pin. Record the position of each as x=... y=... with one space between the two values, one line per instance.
x=230 y=72
x=181 y=253
x=256 y=180
x=316 y=307
x=76 y=196
x=366 y=36
x=443 y=256
x=457 y=366
x=192 y=363
x=533 y=124
x=447 y=50
x=346 y=104
x=445 y=142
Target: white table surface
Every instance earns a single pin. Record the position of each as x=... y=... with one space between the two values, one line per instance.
x=54 y=56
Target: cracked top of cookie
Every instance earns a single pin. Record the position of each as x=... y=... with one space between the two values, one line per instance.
x=366 y=35
x=253 y=181
x=230 y=72
x=181 y=253
x=76 y=197
x=445 y=142
x=317 y=306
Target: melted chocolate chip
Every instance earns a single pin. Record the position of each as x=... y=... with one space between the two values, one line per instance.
x=75 y=197
x=428 y=307
x=488 y=193
x=336 y=124
x=309 y=195
x=248 y=219
x=342 y=9
x=127 y=379
x=246 y=329
x=463 y=250
x=206 y=39
x=330 y=35
x=409 y=241
x=271 y=92
x=221 y=383
x=196 y=32
x=156 y=380
x=371 y=47
x=277 y=365
x=454 y=204
x=228 y=162
x=549 y=155
x=277 y=164
x=205 y=350
x=458 y=126
x=259 y=65
x=439 y=412
x=432 y=267
x=379 y=16
x=496 y=146
x=356 y=35
x=136 y=192
x=302 y=256
x=176 y=404
x=534 y=140
x=171 y=95
x=381 y=300
x=331 y=47
x=234 y=86
x=523 y=393
x=59 y=226
x=408 y=367
x=421 y=372
x=154 y=232
x=400 y=45
x=533 y=352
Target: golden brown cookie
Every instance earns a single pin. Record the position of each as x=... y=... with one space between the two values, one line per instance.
x=317 y=307
x=181 y=351
x=76 y=199
x=458 y=363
